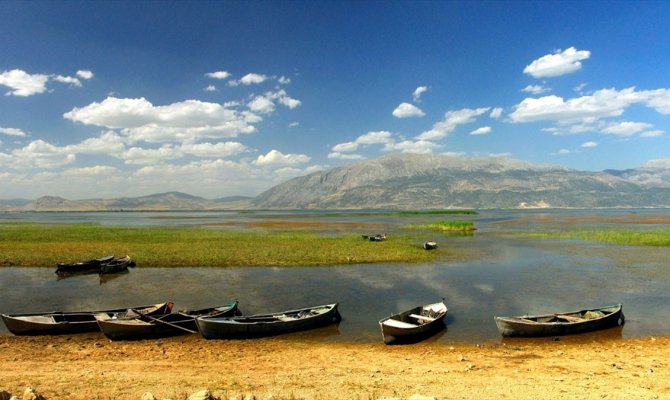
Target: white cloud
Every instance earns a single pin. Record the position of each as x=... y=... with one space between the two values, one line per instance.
x=650 y=134
x=276 y=158
x=284 y=80
x=484 y=130
x=22 y=83
x=626 y=128
x=67 y=79
x=12 y=132
x=342 y=156
x=589 y=144
x=406 y=110
x=452 y=119
x=559 y=63
x=142 y=156
x=218 y=75
x=601 y=104
x=661 y=163
x=210 y=88
x=249 y=79
x=189 y=120
x=564 y=151
x=214 y=150
x=496 y=113
x=580 y=87
x=294 y=124
x=535 y=89
x=39 y=154
x=261 y=105
x=85 y=74
x=109 y=143
x=370 y=138
x=418 y=92
x=411 y=146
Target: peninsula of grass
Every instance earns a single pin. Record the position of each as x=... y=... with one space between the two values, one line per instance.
x=46 y=244
x=628 y=237
x=446 y=226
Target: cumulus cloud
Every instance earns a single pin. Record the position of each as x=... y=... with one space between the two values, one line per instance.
x=344 y=156
x=650 y=134
x=12 y=132
x=602 y=103
x=626 y=128
x=214 y=150
x=589 y=144
x=67 y=79
x=210 y=88
x=276 y=158
x=559 y=63
x=218 y=75
x=452 y=119
x=249 y=79
x=484 y=130
x=535 y=89
x=189 y=120
x=418 y=92
x=22 y=83
x=265 y=104
x=85 y=74
x=144 y=156
x=411 y=146
x=407 y=110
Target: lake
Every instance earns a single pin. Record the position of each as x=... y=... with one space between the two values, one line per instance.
x=501 y=274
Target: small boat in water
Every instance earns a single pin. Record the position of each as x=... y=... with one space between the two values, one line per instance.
x=117 y=265
x=243 y=327
x=83 y=267
x=429 y=245
x=137 y=326
x=57 y=322
x=413 y=325
x=565 y=323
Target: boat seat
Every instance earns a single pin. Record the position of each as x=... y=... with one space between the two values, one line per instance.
x=422 y=317
x=398 y=324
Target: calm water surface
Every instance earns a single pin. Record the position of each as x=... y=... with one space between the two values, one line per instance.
x=503 y=275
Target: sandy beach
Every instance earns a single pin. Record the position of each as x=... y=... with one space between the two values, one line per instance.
x=91 y=367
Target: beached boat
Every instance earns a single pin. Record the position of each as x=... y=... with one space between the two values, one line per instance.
x=243 y=327
x=413 y=325
x=117 y=265
x=83 y=267
x=429 y=245
x=565 y=323
x=379 y=237
x=57 y=322
x=133 y=326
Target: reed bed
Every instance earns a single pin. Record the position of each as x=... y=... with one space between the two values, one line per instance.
x=45 y=244
x=629 y=237
x=446 y=226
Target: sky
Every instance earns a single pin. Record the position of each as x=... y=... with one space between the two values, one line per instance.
x=108 y=99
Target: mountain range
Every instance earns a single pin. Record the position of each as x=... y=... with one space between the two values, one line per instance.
x=413 y=181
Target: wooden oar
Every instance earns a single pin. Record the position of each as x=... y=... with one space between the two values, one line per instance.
x=163 y=322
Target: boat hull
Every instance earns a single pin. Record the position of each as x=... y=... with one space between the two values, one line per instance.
x=267 y=324
x=159 y=325
x=404 y=327
x=555 y=325
x=60 y=323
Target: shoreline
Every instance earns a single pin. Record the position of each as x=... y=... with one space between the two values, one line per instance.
x=89 y=366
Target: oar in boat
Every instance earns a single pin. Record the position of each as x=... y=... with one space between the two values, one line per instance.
x=163 y=322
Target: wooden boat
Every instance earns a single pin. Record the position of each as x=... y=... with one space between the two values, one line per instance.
x=117 y=265
x=429 y=245
x=57 y=322
x=268 y=324
x=561 y=323
x=134 y=326
x=83 y=267
x=413 y=325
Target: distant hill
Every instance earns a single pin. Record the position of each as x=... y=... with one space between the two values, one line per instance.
x=154 y=202
x=412 y=181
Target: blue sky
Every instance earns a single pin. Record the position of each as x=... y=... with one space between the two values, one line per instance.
x=221 y=98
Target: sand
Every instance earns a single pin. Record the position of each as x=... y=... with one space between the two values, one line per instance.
x=89 y=366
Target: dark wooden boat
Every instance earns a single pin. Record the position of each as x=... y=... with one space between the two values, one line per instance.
x=83 y=267
x=135 y=326
x=117 y=265
x=57 y=322
x=429 y=245
x=243 y=327
x=413 y=325
x=561 y=323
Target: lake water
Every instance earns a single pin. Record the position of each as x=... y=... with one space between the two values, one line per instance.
x=503 y=274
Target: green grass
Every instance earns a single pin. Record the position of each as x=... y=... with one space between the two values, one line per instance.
x=45 y=244
x=660 y=237
x=446 y=226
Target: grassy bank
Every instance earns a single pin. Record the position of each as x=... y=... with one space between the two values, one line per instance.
x=446 y=226
x=46 y=244
x=628 y=237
